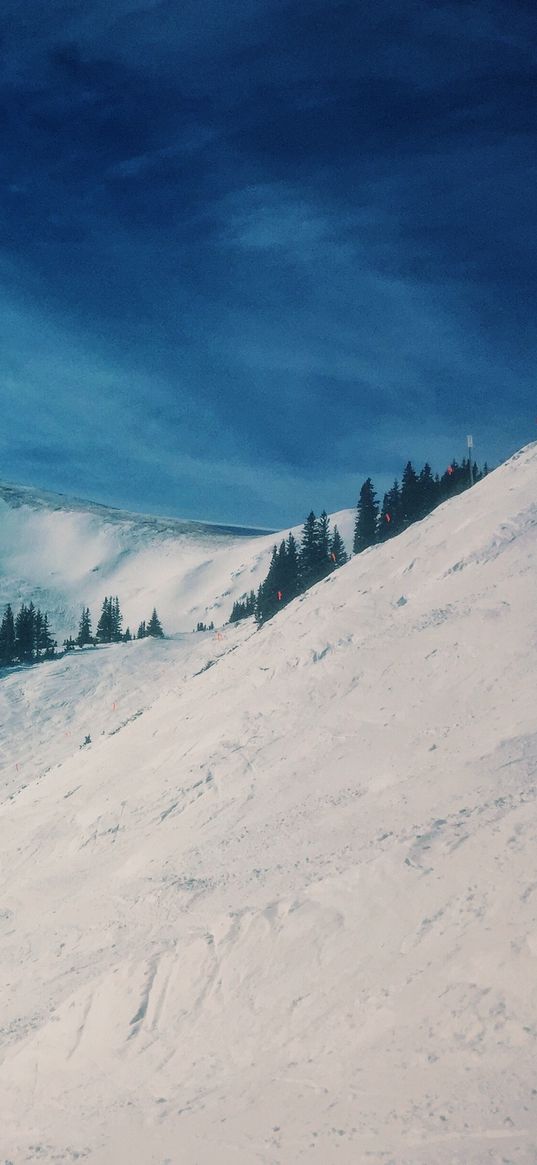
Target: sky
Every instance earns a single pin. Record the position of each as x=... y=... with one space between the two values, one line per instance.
x=253 y=251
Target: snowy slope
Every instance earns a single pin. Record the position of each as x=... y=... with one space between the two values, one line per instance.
x=288 y=913
x=64 y=554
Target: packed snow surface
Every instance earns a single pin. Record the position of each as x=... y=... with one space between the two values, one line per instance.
x=283 y=907
x=65 y=554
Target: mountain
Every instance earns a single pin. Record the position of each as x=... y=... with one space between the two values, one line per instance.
x=282 y=907
x=64 y=554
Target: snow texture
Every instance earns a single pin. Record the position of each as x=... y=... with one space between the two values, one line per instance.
x=283 y=907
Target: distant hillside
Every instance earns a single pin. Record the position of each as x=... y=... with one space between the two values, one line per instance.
x=64 y=553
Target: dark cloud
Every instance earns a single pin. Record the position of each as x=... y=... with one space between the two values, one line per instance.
x=296 y=240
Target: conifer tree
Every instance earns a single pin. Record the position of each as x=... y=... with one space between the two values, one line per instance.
x=323 y=546
x=116 y=621
x=454 y=479
x=154 y=627
x=390 y=515
x=25 y=633
x=291 y=568
x=47 y=642
x=142 y=631
x=429 y=494
x=268 y=595
x=7 y=638
x=84 y=628
x=338 y=554
x=308 y=552
x=365 y=530
x=127 y=636
x=410 y=499
x=104 y=626
x=280 y=578
x=110 y=622
x=38 y=631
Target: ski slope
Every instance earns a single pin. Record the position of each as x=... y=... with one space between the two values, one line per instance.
x=65 y=554
x=283 y=908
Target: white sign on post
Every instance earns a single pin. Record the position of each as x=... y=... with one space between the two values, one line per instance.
x=470 y=441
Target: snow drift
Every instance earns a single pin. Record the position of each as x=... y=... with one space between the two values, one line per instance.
x=283 y=908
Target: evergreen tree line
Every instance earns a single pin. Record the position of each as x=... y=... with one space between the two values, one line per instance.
x=408 y=502
x=25 y=637
x=110 y=627
x=296 y=567
x=243 y=607
x=293 y=568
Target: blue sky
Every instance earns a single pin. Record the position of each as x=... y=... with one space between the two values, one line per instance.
x=252 y=252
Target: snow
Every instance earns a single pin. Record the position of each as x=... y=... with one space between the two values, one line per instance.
x=283 y=908
x=65 y=554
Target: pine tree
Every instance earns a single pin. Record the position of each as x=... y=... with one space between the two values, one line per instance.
x=365 y=530
x=154 y=627
x=44 y=643
x=110 y=622
x=25 y=633
x=338 y=554
x=84 y=628
x=292 y=568
x=116 y=621
x=410 y=498
x=280 y=578
x=242 y=608
x=104 y=626
x=7 y=638
x=127 y=636
x=47 y=642
x=429 y=494
x=324 y=564
x=308 y=553
x=38 y=629
x=269 y=595
x=389 y=522
x=142 y=632
x=314 y=554
x=454 y=479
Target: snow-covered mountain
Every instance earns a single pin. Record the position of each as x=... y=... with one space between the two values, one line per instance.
x=65 y=554
x=283 y=907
